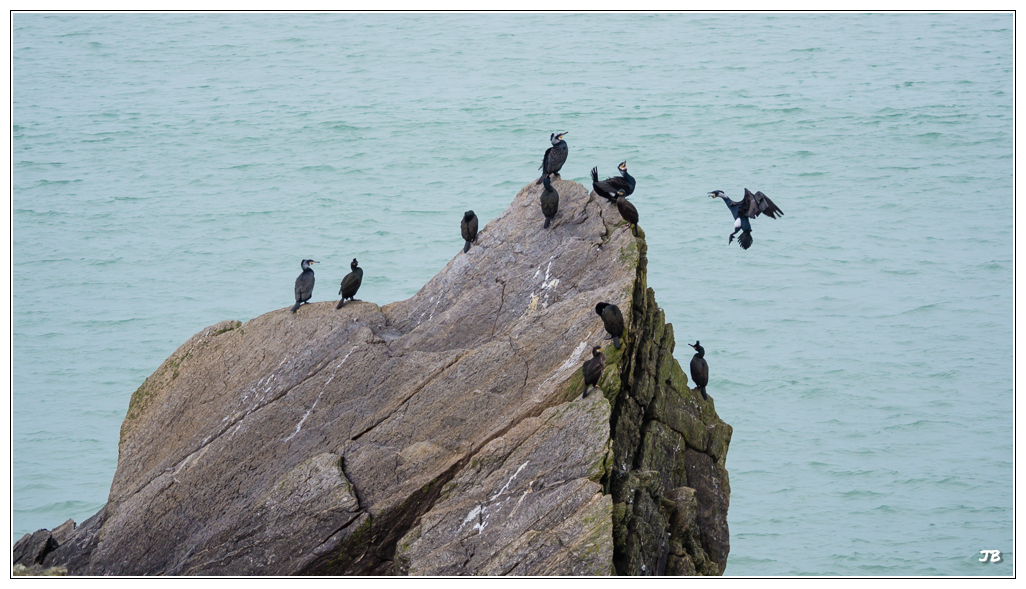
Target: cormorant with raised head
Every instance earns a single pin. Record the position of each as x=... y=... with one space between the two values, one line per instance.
x=555 y=156
x=750 y=207
x=304 y=284
x=699 y=368
x=350 y=284
x=608 y=187
x=468 y=227
x=549 y=201
x=593 y=368
x=612 y=319
x=627 y=211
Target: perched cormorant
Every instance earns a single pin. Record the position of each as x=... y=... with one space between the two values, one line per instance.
x=549 y=201
x=468 y=227
x=608 y=187
x=751 y=206
x=350 y=284
x=555 y=156
x=304 y=284
x=593 y=368
x=613 y=321
x=627 y=211
x=699 y=368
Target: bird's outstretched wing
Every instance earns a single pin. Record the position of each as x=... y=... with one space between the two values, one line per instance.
x=753 y=205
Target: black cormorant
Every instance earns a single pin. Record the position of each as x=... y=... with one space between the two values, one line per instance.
x=699 y=368
x=555 y=156
x=468 y=227
x=593 y=368
x=549 y=201
x=350 y=284
x=627 y=211
x=304 y=284
x=613 y=321
x=608 y=187
x=751 y=206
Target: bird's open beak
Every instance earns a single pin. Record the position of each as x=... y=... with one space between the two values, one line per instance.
x=712 y=195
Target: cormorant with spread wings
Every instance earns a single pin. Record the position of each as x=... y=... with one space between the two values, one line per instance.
x=751 y=206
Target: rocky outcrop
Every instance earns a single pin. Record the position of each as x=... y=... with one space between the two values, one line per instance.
x=441 y=435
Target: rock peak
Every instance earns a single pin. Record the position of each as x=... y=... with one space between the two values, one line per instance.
x=376 y=440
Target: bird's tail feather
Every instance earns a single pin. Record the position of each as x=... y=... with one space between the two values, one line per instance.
x=466 y=248
x=585 y=391
x=594 y=174
x=296 y=306
x=616 y=341
x=340 y=303
x=540 y=180
x=547 y=220
x=704 y=396
x=745 y=240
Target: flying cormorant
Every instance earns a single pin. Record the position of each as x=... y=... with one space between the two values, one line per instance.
x=627 y=211
x=549 y=201
x=613 y=321
x=751 y=206
x=608 y=187
x=304 y=284
x=593 y=368
x=699 y=368
x=350 y=284
x=555 y=156
x=468 y=227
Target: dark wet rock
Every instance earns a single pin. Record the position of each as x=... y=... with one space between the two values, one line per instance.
x=32 y=548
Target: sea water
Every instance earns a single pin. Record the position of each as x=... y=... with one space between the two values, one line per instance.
x=171 y=171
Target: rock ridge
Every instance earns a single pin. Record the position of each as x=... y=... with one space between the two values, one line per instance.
x=440 y=435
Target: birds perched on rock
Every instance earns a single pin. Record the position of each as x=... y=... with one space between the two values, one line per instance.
x=549 y=201
x=350 y=284
x=612 y=319
x=699 y=368
x=555 y=156
x=751 y=206
x=593 y=368
x=468 y=227
x=304 y=284
x=627 y=210
x=608 y=187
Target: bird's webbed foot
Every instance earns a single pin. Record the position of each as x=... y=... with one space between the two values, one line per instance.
x=730 y=239
x=608 y=337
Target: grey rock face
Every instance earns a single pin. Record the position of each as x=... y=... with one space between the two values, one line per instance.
x=441 y=435
x=32 y=548
x=63 y=532
x=529 y=503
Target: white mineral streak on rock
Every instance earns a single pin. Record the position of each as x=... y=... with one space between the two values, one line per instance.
x=506 y=486
x=299 y=425
x=571 y=362
x=470 y=516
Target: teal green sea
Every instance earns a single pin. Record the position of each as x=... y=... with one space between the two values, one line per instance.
x=170 y=171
